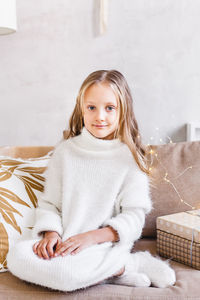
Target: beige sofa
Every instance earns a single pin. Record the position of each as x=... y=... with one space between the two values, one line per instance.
x=179 y=163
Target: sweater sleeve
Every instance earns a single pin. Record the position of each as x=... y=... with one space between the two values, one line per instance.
x=133 y=203
x=48 y=211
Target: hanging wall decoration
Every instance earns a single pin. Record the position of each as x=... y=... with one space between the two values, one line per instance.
x=103 y=16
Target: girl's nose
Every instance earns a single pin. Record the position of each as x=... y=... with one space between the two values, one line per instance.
x=100 y=115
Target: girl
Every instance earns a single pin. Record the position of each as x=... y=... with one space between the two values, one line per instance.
x=95 y=199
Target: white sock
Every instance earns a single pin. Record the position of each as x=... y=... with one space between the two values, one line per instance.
x=158 y=271
x=142 y=269
x=131 y=277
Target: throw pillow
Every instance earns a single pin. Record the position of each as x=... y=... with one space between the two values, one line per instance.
x=21 y=182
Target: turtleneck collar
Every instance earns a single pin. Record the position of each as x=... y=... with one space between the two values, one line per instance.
x=89 y=142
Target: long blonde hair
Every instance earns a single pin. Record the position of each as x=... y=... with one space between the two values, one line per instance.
x=127 y=130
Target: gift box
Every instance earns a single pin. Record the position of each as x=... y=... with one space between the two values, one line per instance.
x=178 y=237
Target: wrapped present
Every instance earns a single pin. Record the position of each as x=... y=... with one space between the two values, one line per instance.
x=178 y=237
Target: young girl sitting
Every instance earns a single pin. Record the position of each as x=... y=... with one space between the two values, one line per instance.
x=95 y=199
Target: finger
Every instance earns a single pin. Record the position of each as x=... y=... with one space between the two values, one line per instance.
x=58 y=245
x=39 y=252
x=35 y=247
x=77 y=250
x=59 y=251
x=69 y=250
x=49 y=247
x=44 y=251
x=62 y=248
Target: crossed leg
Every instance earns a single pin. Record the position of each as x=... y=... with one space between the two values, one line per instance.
x=65 y=273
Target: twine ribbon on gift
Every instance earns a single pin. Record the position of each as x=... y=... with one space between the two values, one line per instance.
x=193 y=229
x=191 y=246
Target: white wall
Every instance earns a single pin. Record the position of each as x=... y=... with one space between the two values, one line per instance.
x=154 y=43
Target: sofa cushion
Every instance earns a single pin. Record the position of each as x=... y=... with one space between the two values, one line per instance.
x=186 y=286
x=25 y=151
x=21 y=182
x=180 y=164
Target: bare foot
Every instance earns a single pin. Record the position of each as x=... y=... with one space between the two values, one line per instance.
x=121 y=271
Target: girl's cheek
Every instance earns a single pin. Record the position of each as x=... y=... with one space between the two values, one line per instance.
x=113 y=117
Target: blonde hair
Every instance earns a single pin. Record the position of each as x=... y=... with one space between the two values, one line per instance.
x=127 y=130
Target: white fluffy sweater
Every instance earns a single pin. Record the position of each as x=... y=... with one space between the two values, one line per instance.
x=92 y=183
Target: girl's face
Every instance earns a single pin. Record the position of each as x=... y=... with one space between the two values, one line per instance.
x=100 y=111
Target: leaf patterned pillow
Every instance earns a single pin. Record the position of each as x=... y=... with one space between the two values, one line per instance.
x=21 y=182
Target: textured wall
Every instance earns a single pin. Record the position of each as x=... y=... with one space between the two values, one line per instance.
x=154 y=43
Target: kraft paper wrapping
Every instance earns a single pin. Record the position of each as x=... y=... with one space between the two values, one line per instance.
x=183 y=224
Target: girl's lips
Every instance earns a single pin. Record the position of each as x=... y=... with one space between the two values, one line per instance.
x=100 y=126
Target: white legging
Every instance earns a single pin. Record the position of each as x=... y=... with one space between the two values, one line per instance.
x=70 y=272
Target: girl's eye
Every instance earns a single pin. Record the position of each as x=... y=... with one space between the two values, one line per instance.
x=90 y=106
x=111 y=107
